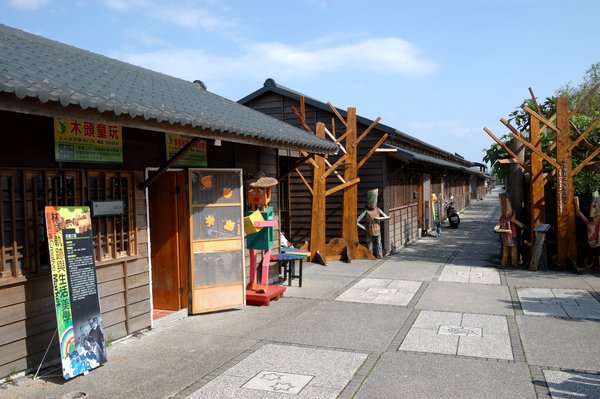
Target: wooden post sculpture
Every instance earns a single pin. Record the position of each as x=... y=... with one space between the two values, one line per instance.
x=258 y=224
x=563 y=168
x=322 y=169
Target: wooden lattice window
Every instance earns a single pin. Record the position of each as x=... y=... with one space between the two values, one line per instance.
x=25 y=193
x=114 y=236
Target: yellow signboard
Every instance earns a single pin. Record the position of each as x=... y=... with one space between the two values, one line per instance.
x=77 y=140
x=196 y=156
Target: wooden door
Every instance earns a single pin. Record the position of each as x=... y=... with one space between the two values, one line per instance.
x=217 y=237
x=169 y=241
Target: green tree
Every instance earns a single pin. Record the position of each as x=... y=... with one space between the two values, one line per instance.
x=588 y=179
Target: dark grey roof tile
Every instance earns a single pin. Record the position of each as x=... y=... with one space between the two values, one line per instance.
x=32 y=66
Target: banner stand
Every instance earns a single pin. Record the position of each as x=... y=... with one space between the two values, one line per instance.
x=44 y=357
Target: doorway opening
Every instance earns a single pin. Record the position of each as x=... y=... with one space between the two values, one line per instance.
x=170 y=248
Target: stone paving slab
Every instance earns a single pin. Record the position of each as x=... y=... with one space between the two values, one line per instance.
x=593 y=281
x=314 y=286
x=279 y=371
x=243 y=321
x=459 y=334
x=155 y=364
x=545 y=279
x=468 y=298
x=570 y=385
x=552 y=342
x=417 y=376
x=576 y=304
x=336 y=268
x=337 y=324
x=415 y=270
x=468 y=274
x=381 y=291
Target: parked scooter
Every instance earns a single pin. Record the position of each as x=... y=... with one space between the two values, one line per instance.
x=452 y=215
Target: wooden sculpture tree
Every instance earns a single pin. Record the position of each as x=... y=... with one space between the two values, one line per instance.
x=322 y=169
x=564 y=171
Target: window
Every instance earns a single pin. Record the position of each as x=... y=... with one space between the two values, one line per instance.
x=25 y=193
x=402 y=190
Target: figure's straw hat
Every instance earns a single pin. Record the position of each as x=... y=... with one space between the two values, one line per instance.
x=262 y=180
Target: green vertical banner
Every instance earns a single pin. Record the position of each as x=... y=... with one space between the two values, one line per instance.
x=78 y=316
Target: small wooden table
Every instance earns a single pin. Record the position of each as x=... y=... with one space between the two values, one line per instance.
x=287 y=261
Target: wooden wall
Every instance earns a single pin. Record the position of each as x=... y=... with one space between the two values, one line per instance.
x=27 y=315
x=371 y=174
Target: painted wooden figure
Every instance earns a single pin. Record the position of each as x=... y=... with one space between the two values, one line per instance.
x=373 y=216
x=259 y=223
x=508 y=230
x=592 y=224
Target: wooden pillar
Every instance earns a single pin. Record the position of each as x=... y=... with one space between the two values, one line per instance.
x=565 y=210
x=317 y=228
x=350 y=197
x=538 y=199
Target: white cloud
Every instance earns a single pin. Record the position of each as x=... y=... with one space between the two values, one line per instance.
x=384 y=56
x=185 y=14
x=28 y=5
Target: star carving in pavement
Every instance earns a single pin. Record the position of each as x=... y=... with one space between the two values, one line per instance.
x=271 y=376
x=281 y=386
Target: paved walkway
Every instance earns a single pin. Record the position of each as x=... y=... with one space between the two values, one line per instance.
x=437 y=320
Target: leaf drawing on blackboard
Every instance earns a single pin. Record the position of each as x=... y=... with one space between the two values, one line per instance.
x=229 y=225
x=209 y=221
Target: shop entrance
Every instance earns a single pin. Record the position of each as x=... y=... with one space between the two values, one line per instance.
x=169 y=237
x=217 y=239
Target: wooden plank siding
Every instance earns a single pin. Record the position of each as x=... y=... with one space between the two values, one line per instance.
x=371 y=175
x=27 y=313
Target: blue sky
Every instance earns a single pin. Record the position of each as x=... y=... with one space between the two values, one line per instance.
x=437 y=70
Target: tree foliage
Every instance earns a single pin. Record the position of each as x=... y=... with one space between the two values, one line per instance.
x=588 y=179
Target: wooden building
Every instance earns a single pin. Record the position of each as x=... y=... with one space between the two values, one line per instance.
x=154 y=255
x=405 y=178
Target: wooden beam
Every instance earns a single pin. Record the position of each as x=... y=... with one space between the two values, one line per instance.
x=537 y=183
x=319 y=205
x=585 y=133
x=334 y=167
x=507 y=161
x=336 y=173
x=350 y=193
x=335 y=111
x=169 y=163
x=586 y=162
x=582 y=102
x=380 y=142
x=523 y=141
x=305 y=182
x=540 y=118
x=295 y=166
x=534 y=100
x=364 y=134
x=511 y=128
x=565 y=211
x=341 y=186
x=300 y=117
x=508 y=150
x=331 y=136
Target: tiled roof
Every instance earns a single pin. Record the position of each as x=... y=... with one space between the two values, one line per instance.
x=36 y=67
x=271 y=86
